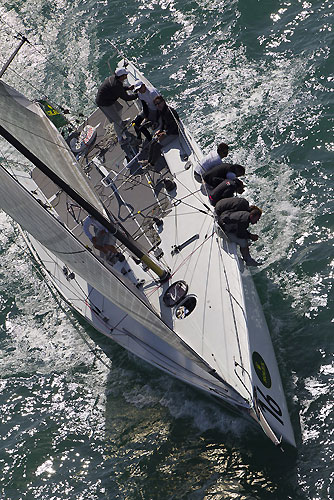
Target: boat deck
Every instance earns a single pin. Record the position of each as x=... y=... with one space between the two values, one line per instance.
x=136 y=197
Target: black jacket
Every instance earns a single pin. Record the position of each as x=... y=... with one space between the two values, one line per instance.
x=217 y=174
x=225 y=189
x=111 y=90
x=169 y=120
x=235 y=222
x=231 y=205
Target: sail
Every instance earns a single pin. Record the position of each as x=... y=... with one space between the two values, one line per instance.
x=52 y=234
x=30 y=126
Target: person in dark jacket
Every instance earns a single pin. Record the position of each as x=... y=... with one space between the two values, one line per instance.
x=226 y=189
x=221 y=172
x=234 y=218
x=107 y=97
x=231 y=205
x=167 y=132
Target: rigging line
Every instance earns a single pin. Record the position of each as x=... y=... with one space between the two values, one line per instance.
x=191 y=193
x=124 y=332
x=204 y=220
x=186 y=187
x=113 y=329
x=189 y=350
x=182 y=263
x=192 y=253
x=204 y=185
x=42 y=94
x=54 y=278
x=205 y=299
x=39 y=271
x=9 y=167
x=149 y=349
x=231 y=301
x=28 y=82
x=167 y=195
x=204 y=343
x=208 y=230
x=83 y=300
x=76 y=87
x=109 y=212
x=60 y=146
x=183 y=213
x=18 y=163
x=221 y=309
x=211 y=209
x=94 y=348
x=129 y=177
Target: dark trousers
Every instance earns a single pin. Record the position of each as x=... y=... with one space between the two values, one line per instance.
x=156 y=148
x=141 y=129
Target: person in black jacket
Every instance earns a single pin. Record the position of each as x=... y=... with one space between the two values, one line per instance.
x=221 y=172
x=167 y=132
x=234 y=218
x=232 y=204
x=107 y=97
x=226 y=189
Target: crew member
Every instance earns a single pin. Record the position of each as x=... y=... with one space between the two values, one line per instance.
x=107 y=97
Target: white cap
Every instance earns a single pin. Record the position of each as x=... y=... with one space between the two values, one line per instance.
x=121 y=71
x=138 y=84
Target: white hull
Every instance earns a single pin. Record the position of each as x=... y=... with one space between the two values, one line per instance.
x=222 y=344
x=111 y=321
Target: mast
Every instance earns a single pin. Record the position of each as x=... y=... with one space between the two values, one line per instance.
x=126 y=240
x=5 y=66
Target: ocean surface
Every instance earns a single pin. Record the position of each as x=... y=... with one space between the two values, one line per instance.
x=80 y=417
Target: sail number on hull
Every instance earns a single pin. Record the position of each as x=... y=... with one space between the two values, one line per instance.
x=268 y=404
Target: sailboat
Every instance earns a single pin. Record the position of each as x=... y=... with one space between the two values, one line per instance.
x=176 y=294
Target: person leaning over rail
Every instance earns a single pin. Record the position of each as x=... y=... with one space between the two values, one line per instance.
x=107 y=97
x=231 y=205
x=217 y=174
x=168 y=130
x=212 y=159
x=234 y=217
x=226 y=189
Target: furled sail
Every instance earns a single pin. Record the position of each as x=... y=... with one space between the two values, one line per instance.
x=30 y=126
